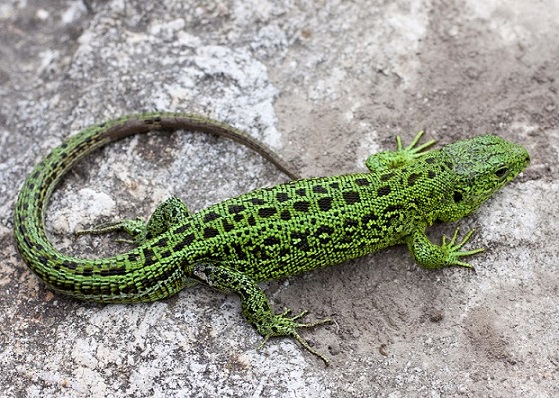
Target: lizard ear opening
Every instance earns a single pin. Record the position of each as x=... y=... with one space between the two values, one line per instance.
x=457 y=196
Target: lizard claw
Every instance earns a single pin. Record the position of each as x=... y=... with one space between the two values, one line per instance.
x=282 y=325
x=453 y=252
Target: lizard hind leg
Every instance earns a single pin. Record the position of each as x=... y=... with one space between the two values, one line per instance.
x=168 y=213
x=282 y=325
x=256 y=306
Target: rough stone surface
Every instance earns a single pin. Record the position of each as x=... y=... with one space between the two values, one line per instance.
x=324 y=83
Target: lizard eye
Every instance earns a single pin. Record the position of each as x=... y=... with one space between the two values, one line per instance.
x=500 y=173
x=457 y=196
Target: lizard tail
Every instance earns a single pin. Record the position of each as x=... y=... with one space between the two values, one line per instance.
x=123 y=278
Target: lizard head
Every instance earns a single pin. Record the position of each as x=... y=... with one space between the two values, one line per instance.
x=479 y=167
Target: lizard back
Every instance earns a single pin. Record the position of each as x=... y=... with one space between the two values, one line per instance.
x=302 y=225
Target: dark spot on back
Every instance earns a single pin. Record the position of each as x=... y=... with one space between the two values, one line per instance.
x=212 y=215
x=362 y=182
x=149 y=258
x=210 y=232
x=285 y=215
x=387 y=176
x=182 y=228
x=186 y=240
x=227 y=226
x=325 y=204
x=319 y=189
x=282 y=196
x=351 y=197
x=369 y=218
x=234 y=209
x=257 y=201
x=394 y=217
x=412 y=178
x=384 y=190
x=301 y=191
x=265 y=212
x=301 y=206
x=271 y=240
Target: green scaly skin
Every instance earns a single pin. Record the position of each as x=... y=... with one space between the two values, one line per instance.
x=268 y=233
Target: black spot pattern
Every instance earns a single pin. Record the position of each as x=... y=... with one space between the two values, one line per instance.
x=413 y=178
x=266 y=212
x=235 y=209
x=351 y=197
x=386 y=176
x=302 y=206
x=362 y=182
x=324 y=204
x=186 y=241
x=285 y=215
x=319 y=189
x=227 y=226
x=384 y=190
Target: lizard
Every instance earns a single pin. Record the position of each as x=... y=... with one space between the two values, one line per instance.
x=269 y=233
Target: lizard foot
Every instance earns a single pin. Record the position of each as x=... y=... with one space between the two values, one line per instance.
x=411 y=150
x=282 y=325
x=453 y=252
x=402 y=156
x=134 y=228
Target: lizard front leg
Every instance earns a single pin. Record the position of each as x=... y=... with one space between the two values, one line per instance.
x=429 y=255
x=387 y=160
x=256 y=306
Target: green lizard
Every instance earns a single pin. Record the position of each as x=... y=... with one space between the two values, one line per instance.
x=268 y=233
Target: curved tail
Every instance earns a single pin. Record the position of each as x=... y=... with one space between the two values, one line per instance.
x=129 y=277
